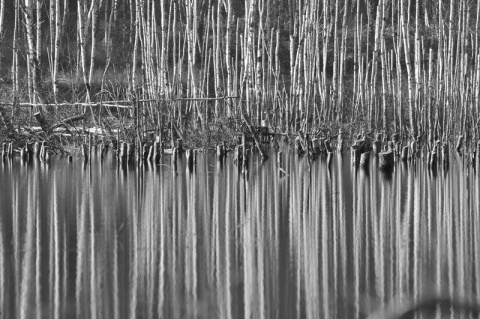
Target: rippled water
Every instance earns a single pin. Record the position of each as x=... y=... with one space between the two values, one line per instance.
x=109 y=241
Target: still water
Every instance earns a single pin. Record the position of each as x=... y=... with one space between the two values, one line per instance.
x=104 y=240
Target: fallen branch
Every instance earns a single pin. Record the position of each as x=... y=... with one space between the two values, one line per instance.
x=42 y=121
x=98 y=104
x=115 y=103
x=68 y=121
x=257 y=143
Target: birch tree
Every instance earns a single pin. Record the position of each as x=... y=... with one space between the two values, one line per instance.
x=83 y=21
x=228 y=62
x=15 y=50
x=33 y=74
x=38 y=29
x=58 y=27
x=93 y=17
x=163 y=55
x=411 y=80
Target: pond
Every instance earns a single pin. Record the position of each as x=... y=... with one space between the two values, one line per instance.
x=109 y=240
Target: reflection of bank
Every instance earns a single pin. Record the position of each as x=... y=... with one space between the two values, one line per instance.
x=406 y=307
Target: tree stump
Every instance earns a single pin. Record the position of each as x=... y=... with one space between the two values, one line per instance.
x=130 y=151
x=281 y=171
x=355 y=155
x=190 y=156
x=299 y=146
x=404 y=156
x=365 y=159
x=179 y=145
x=85 y=151
x=123 y=151
x=245 y=162
x=145 y=152
x=47 y=154
x=433 y=160
x=340 y=144
x=23 y=152
x=385 y=160
x=157 y=151
x=42 y=150
x=329 y=158
x=328 y=147
x=150 y=153
x=238 y=155
x=220 y=152
x=36 y=149
x=445 y=158
x=376 y=147
x=315 y=147
x=30 y=149
x=459 y=143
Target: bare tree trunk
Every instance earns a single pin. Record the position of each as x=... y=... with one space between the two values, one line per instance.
x=31 y=54
x=228 y=62
x=58 y=26
x=411 y=80
x=3 y=115
x=163 y=54
x=249 y=47
x=51 y=24
x=2 y=14
x=34 y=73
x=82 y=25
x=66 y=10
x=93 y=14
x=39 y=31
x=15 y=50
x=216 y=65
x=135 y=47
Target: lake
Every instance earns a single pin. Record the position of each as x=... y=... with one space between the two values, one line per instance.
x=109 y=240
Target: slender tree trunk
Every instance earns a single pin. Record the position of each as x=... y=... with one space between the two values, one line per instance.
x=411 y=80
x=34 y=72
x=66 y=11
x=249 y=49
x=81 y=30
x=135 y=47
x=216 y=67
x=228 y=61
x=164 y=56
x=15 y=49
x=31 y=54
x=58 y=26
x=93 y=14
x=2 y=14
x=52 y=25
x=38 y=28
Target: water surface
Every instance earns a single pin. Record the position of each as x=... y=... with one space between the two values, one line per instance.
x=104 y=240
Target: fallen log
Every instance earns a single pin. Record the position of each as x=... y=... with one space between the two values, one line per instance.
x=68 y=121
x=42 y=121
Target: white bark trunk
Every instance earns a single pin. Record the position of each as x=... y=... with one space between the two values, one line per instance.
x=2 y=14
x=93 y=14
x=31 y=54
x=58 y=27
x=39 y=30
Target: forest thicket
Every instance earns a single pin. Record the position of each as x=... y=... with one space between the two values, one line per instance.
x=406 y=66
